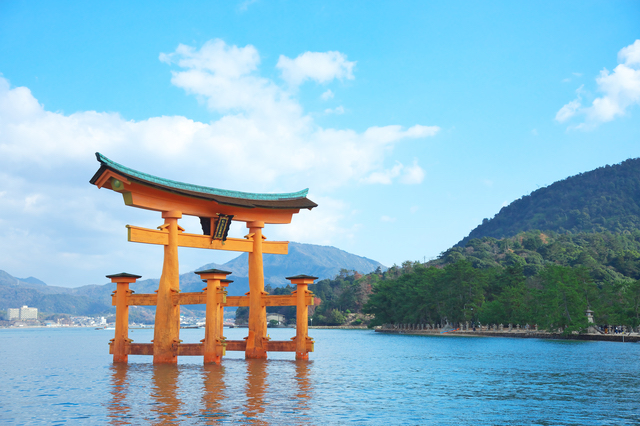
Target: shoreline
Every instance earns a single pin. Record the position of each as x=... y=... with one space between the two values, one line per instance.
x=626 y=338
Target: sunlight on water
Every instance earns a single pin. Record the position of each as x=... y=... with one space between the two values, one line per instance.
x=57 y=376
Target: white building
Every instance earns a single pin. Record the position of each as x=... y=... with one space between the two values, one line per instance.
x=276 y=317
x=24 y=313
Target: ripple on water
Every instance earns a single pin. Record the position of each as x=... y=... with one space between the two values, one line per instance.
x=360 y=377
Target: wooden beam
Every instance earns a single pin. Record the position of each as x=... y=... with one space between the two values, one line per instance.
x=140 y=348
x=197 y=349
x=139 y=300
x=236 y=345
x=193 y=349
x=137 y=234
x=142 y=196
x=237 y=301
x=271 y=345
x=200 y=298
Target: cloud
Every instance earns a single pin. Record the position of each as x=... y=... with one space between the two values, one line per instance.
x=387 y=219
x=325 y=225
x=244 y=6
x=413 y=174
x=384 y=177
x=322 y=67
x=337 y=110
x=327 y=95
x=263 y=141
x=408 y=175
x=621 y=89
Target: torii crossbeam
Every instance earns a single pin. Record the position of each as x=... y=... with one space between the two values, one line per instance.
x=215 y=208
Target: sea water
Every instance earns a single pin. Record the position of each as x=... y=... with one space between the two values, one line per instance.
x=65 y=376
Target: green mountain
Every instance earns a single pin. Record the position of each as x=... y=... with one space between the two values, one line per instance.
x=508 y=271
x=607 y=256
x=321 y=261
x=604 y=199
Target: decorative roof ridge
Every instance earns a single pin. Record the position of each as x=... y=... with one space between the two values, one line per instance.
x=197 y=188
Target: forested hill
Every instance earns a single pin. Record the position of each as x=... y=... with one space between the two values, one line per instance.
x=607 y=256
x=604 y=199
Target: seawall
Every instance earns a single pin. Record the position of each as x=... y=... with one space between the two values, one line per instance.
x=626 y=337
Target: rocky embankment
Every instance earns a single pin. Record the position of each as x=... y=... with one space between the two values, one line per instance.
x=421 y=329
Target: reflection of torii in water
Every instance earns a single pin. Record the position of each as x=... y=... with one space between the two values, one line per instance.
x=215 y=208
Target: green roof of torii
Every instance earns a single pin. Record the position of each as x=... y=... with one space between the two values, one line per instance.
x=195 y=188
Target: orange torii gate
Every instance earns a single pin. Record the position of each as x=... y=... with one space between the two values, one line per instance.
x=215 y=208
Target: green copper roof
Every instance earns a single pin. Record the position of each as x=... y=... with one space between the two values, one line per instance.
x=196 y=188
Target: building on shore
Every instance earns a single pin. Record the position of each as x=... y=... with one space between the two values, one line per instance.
x=276 y=317
x=23 y=314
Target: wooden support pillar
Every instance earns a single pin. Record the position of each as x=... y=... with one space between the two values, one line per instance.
x=166 y=335
x=122 y=292
x=213 y=340
x=257 y=338
x=302 y=313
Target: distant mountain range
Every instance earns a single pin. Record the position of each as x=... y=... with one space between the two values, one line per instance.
x=321 y=261
x=606 y=199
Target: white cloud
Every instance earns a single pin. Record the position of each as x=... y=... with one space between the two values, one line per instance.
x=621 y=90
x=322 y=67
x=630 y=55
x=325 y=225
x=413 y=174
x=327 y=95
x=414 y=209
x=337 y=110
x=387 y=219
x=408 y=175
x=570 y=109
x=263 y=142
x=384 y=177
x=244 y=6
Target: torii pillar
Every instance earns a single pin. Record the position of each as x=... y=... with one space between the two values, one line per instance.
x=256 y=340
x=302 y=313
x=121 y=339
x=213 y=339
x=166 y=333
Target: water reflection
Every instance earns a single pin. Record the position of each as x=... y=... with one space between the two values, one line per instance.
x=257 y=392
x=213 y=395
x=303 y=395
x=164 y=393
x=255 y=389
x=119 y=408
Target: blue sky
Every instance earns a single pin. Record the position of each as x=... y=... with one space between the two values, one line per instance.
x=409 y=121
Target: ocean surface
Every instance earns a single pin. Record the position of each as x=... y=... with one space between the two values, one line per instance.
x=65 y=376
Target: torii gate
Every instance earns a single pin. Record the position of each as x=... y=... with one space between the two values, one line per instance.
x=215 y=208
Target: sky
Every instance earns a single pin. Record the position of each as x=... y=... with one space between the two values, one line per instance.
x=409 y=121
